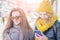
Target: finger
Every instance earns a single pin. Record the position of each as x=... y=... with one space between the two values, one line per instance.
x=43 y=34
x=37 y=35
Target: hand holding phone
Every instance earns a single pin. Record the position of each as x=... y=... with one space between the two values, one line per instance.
x=38 y=32
x=39 y=35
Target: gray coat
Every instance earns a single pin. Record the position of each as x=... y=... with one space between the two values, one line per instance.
x=16 y=34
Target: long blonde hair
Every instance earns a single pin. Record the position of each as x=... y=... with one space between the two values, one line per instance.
x=24 y=24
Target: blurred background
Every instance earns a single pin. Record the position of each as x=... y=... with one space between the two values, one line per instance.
x=29 y=7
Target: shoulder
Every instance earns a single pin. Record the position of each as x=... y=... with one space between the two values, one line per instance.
x=6 y=35
x=11 y=31
x=57 y=23
x=31 y=35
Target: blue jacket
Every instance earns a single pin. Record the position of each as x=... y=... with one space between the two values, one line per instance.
x=50 y=32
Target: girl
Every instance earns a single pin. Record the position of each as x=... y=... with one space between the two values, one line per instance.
x=17 y=27
x=47 y=21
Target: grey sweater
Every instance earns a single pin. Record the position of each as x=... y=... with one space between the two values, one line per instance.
x=16 y=34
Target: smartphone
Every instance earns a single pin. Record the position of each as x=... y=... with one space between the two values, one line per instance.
x=38 y=32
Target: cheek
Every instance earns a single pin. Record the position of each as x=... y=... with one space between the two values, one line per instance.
x=16 y=22
x=20 y=20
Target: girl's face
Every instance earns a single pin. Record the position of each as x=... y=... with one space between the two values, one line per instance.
x=16 y=17
x=44 y=15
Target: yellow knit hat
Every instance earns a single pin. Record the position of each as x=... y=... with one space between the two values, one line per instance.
x=45 y=6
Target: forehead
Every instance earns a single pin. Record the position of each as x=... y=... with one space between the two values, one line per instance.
x=16 y=13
